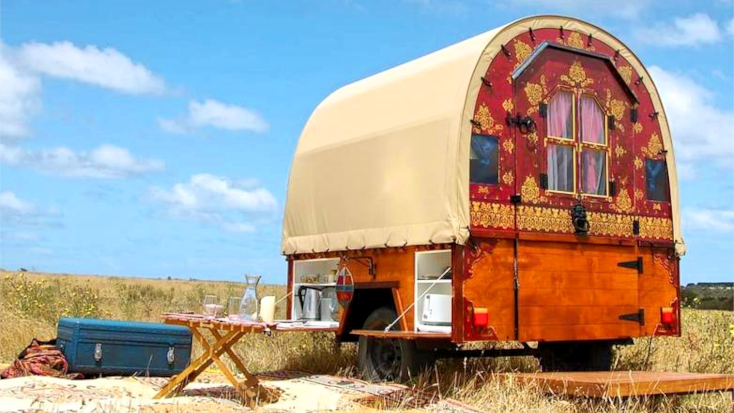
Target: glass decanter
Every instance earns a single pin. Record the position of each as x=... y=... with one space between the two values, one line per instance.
x=249 y=303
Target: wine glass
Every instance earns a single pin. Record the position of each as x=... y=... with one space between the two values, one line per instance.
x=233 y=307
x=211 y=308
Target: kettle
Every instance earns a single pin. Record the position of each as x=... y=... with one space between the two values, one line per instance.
x=310 y=302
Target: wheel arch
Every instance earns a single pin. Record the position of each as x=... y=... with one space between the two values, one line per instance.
x=365 y=301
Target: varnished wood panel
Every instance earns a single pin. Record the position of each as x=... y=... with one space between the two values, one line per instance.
x=489 y=284
x=576 y=292
x=407 y=335
x=624 y=383
x=659 y=287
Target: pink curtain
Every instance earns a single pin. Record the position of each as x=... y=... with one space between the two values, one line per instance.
x=592 y=121
x=560 y=122
x=593 y=162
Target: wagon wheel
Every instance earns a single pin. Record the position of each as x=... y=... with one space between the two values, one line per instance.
x=382 y=359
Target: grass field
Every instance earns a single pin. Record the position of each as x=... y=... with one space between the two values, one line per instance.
x=32 y=303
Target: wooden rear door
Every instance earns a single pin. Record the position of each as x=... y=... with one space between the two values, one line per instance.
x=577 y=291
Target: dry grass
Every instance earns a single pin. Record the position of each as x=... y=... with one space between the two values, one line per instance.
x=31 y=304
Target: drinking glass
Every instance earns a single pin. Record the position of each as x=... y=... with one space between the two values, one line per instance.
x=233 y=307
x=211 y=308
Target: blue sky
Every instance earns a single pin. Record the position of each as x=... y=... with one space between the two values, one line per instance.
x=154 y=138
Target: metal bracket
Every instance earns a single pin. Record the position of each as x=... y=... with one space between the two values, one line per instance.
x=638 y=317
x=633 y=265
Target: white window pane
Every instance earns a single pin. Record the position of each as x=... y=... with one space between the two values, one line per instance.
x=560 y=168
x=560 y=115
x=592 y=121
x=594 y=172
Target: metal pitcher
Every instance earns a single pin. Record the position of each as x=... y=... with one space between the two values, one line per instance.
x=310 y=299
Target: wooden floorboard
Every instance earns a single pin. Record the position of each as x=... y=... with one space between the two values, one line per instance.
x=625 y=383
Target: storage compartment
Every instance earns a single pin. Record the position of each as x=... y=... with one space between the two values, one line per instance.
x=433 y=291
x=317 y=275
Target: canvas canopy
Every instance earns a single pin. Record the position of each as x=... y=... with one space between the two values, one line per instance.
x=384 y=161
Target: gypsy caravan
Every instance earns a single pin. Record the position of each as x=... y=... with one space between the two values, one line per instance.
x=517 y=186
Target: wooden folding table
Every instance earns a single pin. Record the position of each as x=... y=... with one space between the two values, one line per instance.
x=225 y=334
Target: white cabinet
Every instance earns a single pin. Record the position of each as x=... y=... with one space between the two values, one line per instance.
x=433 y=313
x=319 y=273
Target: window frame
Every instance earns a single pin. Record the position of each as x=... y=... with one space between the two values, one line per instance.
x=577 y=143
x=497 y=154
x=595 y=146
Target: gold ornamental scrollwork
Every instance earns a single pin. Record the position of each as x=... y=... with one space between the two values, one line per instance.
x=626 y=73
x=637 y=128
x=638 y=162
x=575 y=40
x=486 y=121
x=624 y=203
x=654 y=146
x=619 y=151
x=508 y=178
x=530 y=190
x=508 y=145
x=533 y=218
x=535 y=93
x=656 y=228
x=492 y=215
x=614 y=225
x=507 y=105
x=577 y=76
x=522 y=52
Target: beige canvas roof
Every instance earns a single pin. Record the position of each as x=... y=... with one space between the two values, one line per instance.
x=384 y=161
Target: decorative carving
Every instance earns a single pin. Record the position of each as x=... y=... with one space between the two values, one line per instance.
x=577 y=76
x=667 y=263
x=522 y=51
x=483 y=190
x=508 y=178
x=624 y=203
x=532 y=137
x=619 y=151
x=610 y=224
x=491 y=215
x=486 y=121
x=575 y=40
x=617 y=109
x=638 y=162
x=654 y=146
x=507 y=105
x=656 y=228
x=656 y=207
x=474 y=255
x=626 y=73
x=530 y=191
x=544 y=219
x=508 y=145
x=638 y=194
x=534 y=93
x=637 y=128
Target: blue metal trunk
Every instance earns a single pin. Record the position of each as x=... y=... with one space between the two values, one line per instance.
x=120 y=348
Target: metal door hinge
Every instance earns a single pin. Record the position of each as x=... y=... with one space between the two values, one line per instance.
x=634 y=265
x=638 y=317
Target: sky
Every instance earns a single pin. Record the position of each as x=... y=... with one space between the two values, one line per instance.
x=154 y=139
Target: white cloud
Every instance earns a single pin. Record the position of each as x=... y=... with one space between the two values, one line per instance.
x=230 y=205
x=699 y=128
x=709 y=220
x=105 y=161
x=217 y=115
x=16 y=212
x=697 y=29
x=107 y=67
x=18 y=98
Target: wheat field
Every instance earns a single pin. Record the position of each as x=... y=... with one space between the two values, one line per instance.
x=33 y=302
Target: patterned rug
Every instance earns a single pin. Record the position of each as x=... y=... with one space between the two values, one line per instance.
x=300 y=392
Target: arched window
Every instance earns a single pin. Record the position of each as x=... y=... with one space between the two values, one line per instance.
x=563 y=144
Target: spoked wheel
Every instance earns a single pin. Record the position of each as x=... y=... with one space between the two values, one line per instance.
x=382 y=359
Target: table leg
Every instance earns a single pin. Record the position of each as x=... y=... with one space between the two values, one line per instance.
x=190 y=374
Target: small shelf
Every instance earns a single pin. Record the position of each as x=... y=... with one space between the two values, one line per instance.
x=314 y=284
x=447 y=281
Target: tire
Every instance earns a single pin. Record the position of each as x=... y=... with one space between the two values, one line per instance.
x=382 y=359
x=575 y=356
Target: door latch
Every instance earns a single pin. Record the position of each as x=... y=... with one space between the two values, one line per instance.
x=170 y=356
x=98 y=352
